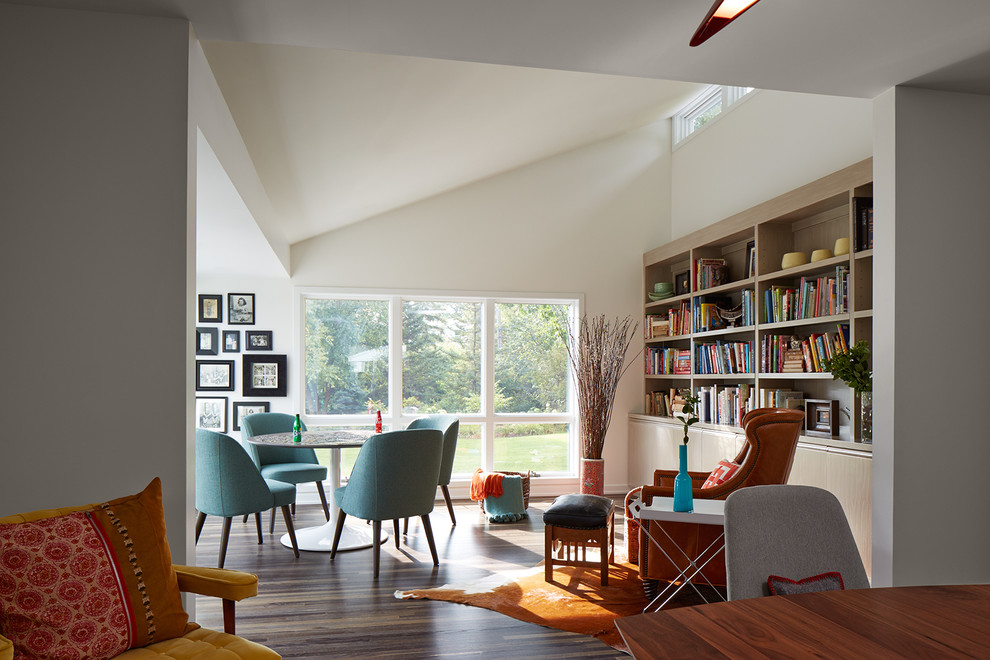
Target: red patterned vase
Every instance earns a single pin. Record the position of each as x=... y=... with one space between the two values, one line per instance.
x=593 y=476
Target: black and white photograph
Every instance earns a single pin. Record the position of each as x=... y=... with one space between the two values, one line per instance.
x=231 y=341
x=240 y=308
x=206 y=341
x=214 y=375
x=211 y=308
x=264 y=375
x=211 y=413
x=257 y=340
x=242 y=408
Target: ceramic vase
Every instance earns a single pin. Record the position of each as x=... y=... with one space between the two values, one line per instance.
x=866 y=417
x=683 y=488
x=593 y=476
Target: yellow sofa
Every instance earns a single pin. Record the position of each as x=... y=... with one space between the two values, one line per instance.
x=196 y=643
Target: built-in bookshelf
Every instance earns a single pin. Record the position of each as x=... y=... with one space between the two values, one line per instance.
x=741 y=330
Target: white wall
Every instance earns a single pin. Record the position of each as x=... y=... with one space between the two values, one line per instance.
x=94 y=256
x=930 y=431
x=767 y=144
x=575 y=223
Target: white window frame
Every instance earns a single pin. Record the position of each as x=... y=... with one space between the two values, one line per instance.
x=487 y=418
x=683 y=120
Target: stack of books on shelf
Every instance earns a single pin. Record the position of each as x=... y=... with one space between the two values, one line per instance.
x=665 y=404
x=733 y=357
x=814 y=296
x=679 y=320
x=709 y=273
x=662 y=360
x=778 y=352
x=656 y=326
x=781 y=399
x=724 y=405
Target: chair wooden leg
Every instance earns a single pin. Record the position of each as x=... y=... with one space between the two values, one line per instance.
x=244 y=520
x=376 y=547
x=200 y=519
x=292 y=530
x=225 y=535
x=271 y=522
x=257 y=523
x=228 y=616
x=336 y=534
x=548 y=553
x=450 y=505
x=395 y=527
x=429 y=539
x=293 y=508
x=323 y=499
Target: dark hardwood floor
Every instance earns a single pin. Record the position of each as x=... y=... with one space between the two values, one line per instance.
x=314 y=608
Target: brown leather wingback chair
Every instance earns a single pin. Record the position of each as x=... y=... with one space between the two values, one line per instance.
x=765 y=458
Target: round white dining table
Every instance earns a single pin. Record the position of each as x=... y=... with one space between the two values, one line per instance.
x=320 y=538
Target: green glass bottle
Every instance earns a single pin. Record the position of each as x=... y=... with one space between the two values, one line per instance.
x=297 y=430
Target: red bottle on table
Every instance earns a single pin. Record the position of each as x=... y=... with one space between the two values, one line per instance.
x=378 y=422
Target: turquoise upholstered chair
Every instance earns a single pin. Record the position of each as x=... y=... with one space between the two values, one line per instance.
x=228 y=484
x=394 y=476
x=289 y=464
x=449 y=426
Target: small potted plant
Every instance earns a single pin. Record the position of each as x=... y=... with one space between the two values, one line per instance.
x=853 y=368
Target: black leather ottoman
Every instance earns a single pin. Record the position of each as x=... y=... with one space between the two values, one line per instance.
x=574 y=523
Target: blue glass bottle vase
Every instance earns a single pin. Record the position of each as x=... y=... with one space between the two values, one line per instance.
x=683 y=495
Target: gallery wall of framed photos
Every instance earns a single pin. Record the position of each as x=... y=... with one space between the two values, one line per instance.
x=242 y=366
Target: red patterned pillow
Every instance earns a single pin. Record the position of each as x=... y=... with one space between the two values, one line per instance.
x=92 y=583
x=722 y=472
x=781 y=586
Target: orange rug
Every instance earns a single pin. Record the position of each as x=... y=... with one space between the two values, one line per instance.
x=574 y=601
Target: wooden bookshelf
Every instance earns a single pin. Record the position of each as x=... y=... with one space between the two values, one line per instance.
x=803 y=220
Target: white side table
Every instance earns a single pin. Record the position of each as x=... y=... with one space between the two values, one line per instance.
x=706 y=512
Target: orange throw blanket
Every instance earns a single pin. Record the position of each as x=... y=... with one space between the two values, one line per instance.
x=484 y=484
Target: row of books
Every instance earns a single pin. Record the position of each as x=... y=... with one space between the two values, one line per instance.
x=655 y=326
x=863 y=215
x=733 y=357
x=667 y=361
x=718 y=404
x=813 y=297
x=791 y=354
x=665 y=403
x=771 y=398
x=709 y=273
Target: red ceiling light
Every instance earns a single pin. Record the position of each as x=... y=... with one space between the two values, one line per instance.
x=721 y=14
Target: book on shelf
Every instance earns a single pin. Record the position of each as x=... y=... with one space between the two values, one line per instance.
x=656 y=326
x=706 y=312
x=824 y=295
x=727 y=405
x=709 y=273
x=682 y=363
x=679 y=320
x=750 y=259
x=733 y=357
x=779 y=398
x=863 y=217
x=660 y=361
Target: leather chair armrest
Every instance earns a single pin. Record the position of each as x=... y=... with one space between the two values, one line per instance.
x=6 y=649
x=217 y=582
x=666 y=489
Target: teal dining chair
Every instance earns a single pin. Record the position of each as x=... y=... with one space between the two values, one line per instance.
x=229 y=484
x=449 y=426
x=394 y=476
x=294 y=465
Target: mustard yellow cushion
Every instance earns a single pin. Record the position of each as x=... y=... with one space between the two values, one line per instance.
x=203 y=644
x=91 y=581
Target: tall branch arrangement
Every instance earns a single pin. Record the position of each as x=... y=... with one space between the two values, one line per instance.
x=597 y=356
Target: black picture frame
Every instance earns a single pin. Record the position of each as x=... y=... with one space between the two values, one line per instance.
x=211 y=413
x=821 y=417
x=240 y=308
x=750 y=259
x=264 y=375
x=257 y=340
x=242 y=408
x=214 y=375
x=206 y=341
x=231 y=341
x=211 y=308
x=682 y=283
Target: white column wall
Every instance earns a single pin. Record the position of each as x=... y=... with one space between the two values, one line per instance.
x=931 y=201
x=96 y=387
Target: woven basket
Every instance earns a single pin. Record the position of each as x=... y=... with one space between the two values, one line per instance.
x=525 y=487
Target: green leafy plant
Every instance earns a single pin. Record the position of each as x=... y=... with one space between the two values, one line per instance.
x=853 y=367
x=688 y=415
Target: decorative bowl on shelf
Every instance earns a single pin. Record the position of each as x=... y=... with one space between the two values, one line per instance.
x=663 y=288
x=660 y=296
x=841 y=246
x=820 y=255
x=792 y=259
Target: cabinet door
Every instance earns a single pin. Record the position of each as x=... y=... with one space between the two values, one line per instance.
x=714 y=447
x=651 y=447
x=849 y=476
x=808 y=468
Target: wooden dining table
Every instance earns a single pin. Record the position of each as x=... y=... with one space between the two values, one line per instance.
x=949 y=621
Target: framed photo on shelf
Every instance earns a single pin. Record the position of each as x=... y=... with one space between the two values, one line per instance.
x=682 y=283
x=210 y=308
x=242 y=408
x=214 y=375
x=231 y=341
x=264 y=375
x=211 y=413
x=750 y=259
x=821 y=417
x=257 y=340
x=206 y=341
x=240 y=308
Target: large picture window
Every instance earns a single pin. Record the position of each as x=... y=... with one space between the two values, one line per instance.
x=499 y=364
